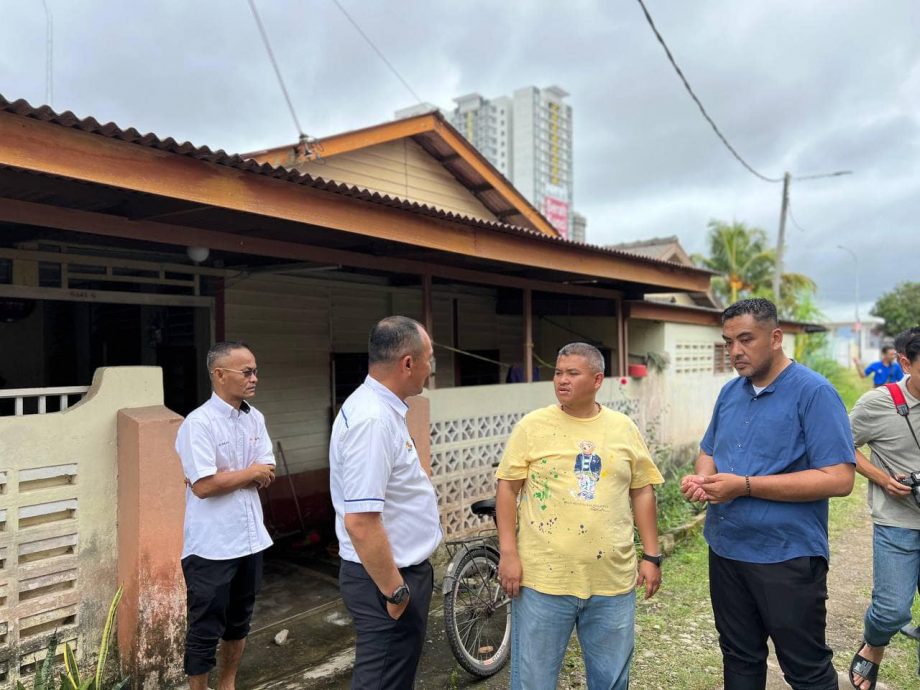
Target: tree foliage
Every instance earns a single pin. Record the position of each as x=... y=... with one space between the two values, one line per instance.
x=900 y=308
x=742 y=258
x=746 y=266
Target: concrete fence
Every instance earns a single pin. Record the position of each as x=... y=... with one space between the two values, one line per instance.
x=58 y=506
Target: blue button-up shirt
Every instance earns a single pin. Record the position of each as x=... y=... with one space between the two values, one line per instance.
x=796 y=423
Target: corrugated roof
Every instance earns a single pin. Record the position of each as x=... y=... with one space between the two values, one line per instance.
x=110 y=130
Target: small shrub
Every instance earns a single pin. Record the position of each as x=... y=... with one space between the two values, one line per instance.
x=70 y=677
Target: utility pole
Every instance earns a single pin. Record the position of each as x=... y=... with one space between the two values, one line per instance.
x=49 y=55
x=781 y=239
x=781 y=236
x=857 y=325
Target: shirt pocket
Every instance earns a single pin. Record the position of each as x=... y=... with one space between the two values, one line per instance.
x=773 y=440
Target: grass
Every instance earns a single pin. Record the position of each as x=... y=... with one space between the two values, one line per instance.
x=676 y=641
x=899 y=667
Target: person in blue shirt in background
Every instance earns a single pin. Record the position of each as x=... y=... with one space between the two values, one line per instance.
x=886 y=370
x=777 y=447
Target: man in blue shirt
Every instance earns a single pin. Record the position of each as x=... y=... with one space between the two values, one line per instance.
x=886 y=370
x=777 y=447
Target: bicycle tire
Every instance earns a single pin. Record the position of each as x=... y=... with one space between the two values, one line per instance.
x=477 y=614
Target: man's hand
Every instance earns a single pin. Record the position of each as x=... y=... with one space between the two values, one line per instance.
x=650 y=576
x=395 y=611
x=510 y=572
x=894 y=488
x=262 y=475
x=723 y=487
x=692 y=489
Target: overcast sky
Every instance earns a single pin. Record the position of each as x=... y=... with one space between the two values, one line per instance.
x=808 y=87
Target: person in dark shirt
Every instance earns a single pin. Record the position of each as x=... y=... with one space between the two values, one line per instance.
x=777 y=447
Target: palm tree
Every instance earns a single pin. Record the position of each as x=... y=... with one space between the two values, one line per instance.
x=740 y=254
x=746 y=264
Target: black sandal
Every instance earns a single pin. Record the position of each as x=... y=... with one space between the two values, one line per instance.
x=861 y=666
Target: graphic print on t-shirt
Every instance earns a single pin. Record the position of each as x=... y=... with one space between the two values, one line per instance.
x=587 y=471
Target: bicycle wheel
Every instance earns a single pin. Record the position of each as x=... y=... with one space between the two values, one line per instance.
x=477 y=614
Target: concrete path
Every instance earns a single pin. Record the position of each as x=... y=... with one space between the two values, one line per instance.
x=322 y=640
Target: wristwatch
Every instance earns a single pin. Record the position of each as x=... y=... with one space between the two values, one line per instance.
x=652 y=559
x=400 y=594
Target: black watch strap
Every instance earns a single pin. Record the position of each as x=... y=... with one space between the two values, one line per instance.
x=400 y=594
x=652 y=559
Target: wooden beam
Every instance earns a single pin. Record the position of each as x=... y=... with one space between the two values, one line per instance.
x=478 y=162
x=528 y=335
x=622 y=345
x=52 y=149
x=29 y=213
x=428 y=320
x=106 y=296
x=654 y=311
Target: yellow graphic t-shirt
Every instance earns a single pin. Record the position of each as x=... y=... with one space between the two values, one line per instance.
x=575 y=522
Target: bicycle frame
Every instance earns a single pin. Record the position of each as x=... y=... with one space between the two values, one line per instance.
x=460 y=547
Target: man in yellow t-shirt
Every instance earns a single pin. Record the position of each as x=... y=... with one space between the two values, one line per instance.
x=567 y=553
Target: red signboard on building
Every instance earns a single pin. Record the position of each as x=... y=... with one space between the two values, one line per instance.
x=557 y=213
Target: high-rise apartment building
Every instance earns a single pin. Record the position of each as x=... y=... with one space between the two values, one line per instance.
x=528 y=137
x=487 y=124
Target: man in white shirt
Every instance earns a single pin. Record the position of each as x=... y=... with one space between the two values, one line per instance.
x=386 y=511
x=227 y=457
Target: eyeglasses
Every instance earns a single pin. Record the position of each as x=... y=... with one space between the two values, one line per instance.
x=432 y=363
x=247 y=373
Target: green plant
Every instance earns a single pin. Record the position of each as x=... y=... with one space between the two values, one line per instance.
x=44 y=676
x=657 y=361
x=900 y=308
x=70 y=677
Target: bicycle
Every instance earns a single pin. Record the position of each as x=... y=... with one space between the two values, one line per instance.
x=477 y=612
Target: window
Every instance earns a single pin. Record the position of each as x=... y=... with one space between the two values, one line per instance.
x=693 y=358
x=477 y=372
x=721 y=360
x=348 y=372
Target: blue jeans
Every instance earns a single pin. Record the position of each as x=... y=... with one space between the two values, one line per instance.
x=895 y=578
x=541 y=625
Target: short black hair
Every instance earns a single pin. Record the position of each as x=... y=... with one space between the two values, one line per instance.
x=392 y=338
x=221 y=349
x=901 y=339
x=912 y=347
x=761 y=309
x=885 y=348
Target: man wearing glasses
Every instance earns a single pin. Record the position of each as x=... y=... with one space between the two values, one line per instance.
x=386 y=511
x=227 y=457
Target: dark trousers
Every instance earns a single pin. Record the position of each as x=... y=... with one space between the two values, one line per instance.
x=387 y=651
x=220 y=597
x=783 y=601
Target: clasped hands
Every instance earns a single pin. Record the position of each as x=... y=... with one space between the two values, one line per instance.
x=714 y=488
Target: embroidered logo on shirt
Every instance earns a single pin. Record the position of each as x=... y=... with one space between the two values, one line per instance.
x=587 y=471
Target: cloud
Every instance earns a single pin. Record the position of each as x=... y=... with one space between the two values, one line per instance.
x=804 y=87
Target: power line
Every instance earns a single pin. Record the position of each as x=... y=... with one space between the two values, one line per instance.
x=271 y=56
x=376 y=50
x=696 y=100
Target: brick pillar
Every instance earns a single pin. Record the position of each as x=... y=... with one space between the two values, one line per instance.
x=151 y=508
x=418 y=419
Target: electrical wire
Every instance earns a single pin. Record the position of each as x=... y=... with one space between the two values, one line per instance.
x=271 y=56
x=696 y=100
x=376 y=50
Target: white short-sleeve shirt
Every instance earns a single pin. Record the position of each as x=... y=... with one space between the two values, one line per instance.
x=374 y=468
x=217 y=437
